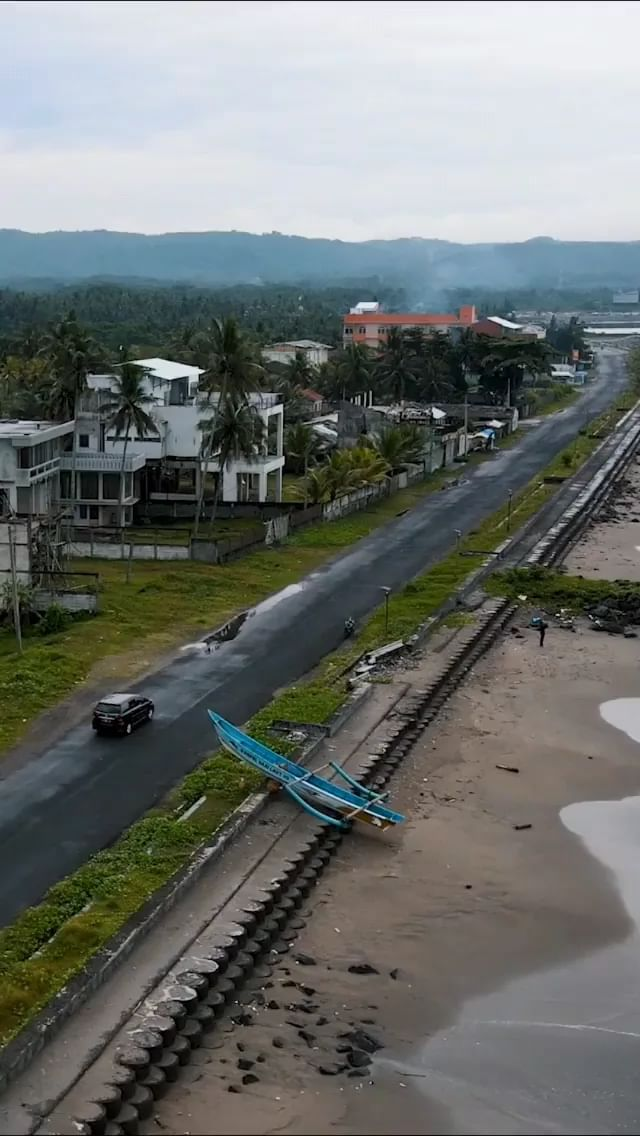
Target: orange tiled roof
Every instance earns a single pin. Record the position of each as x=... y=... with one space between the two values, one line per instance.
x=397 y=319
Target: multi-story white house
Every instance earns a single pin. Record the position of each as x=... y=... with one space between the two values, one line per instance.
x=31 y=457
x=166 y=465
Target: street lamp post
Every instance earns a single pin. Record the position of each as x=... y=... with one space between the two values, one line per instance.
x=509 y=504
x=387 y=593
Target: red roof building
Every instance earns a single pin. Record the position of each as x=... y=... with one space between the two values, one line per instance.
x=372 y=328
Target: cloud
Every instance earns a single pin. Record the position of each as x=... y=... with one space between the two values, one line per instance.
x=469 y=121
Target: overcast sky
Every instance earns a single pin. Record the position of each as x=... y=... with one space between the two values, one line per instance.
x=467 y=121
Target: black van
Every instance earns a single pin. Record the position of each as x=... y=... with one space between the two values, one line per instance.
x=121 y=713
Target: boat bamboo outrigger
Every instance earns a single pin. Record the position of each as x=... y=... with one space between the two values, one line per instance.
x=312 y=792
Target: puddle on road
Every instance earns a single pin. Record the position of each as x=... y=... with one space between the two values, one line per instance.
x=272 y=601
x=555 y=1051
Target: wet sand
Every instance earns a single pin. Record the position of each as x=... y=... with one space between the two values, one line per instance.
x=448 y=909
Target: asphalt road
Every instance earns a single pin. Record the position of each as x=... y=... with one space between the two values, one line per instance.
x=78 y=797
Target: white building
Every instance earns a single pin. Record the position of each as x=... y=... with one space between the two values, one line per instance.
x=31 y=456
x=314 y=353
x=165 y=465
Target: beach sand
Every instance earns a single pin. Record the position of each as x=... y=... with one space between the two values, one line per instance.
x=450 y=905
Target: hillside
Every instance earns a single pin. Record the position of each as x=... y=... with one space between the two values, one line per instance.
x=234 y=257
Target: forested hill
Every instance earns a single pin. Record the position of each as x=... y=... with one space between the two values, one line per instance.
x=425 y=266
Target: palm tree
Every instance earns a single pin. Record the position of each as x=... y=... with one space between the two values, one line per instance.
x=508 y=360
x=301 y=446
x=352 y=371
x=298 y=372
x=400 y=445
x=70 y=352
x=126 y=411
x=316 y=487
x=396 y=366
x=231 y=367
x=235 y=431
x=234 y=373
x=369 y=467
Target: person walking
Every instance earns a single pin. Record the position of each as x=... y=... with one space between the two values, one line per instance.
x=542 y=631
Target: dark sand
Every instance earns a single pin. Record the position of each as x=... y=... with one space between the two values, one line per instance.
x=456 y=901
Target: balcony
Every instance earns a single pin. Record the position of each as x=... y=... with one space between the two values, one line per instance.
x=98 y=462
x=26 y=477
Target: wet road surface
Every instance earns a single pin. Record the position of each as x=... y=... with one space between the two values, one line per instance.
x=79 y=796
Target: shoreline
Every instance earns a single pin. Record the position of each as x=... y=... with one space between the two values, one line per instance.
x=537 y=899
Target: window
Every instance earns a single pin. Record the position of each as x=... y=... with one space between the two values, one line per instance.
x=82 y=512
x=111 y=486
x=94 y=512
x=83 y=441
x=348 y=331
x=362 y=330
x=89 y=486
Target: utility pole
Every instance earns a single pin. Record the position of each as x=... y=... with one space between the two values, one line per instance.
x=509 y=504
x=14 y=588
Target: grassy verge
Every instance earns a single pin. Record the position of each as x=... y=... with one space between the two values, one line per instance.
x=164 y=603
x=50 y=943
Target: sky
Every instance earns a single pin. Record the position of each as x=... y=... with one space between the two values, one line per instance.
x=466 y=121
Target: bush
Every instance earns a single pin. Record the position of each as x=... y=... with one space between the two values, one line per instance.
x=55 y=619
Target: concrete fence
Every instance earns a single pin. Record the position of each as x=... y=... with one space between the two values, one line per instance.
x=73 y=602
x=275 y=529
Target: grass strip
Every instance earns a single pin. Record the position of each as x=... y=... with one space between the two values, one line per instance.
x=48 y=944
x=142 y=621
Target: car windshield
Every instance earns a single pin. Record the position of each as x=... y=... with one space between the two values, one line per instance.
x=109 y=708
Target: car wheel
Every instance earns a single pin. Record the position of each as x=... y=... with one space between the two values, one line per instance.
x=149 y=713
x=128 y=728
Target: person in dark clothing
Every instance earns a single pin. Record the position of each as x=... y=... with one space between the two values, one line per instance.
x=542 y=630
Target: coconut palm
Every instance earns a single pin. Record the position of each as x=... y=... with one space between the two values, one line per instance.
x=126 y=411
x=235 y=431
x=348 y=374
x=70 y=352
x=396 y=366
x=505 y=364
x=231 y=366
x=400 y=445
x=302 y=446
x=233 y=373
x=316 y=488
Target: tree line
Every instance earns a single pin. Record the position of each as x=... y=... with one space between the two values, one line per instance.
x=48 y=373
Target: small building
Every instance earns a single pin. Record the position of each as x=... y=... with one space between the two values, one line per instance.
x=371 y=327
x=501 y=328
x=314 y=401
x=315 y=353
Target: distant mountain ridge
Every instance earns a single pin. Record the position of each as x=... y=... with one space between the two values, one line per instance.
x=220 y=258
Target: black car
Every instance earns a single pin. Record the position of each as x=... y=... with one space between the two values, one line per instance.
x=121 y=713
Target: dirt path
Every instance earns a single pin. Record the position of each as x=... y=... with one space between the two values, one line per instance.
x=454 y=903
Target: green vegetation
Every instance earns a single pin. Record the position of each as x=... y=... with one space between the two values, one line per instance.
x=50 y=943
x=553 y=590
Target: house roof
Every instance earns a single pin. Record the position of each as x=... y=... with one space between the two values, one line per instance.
x=167 y=370
x=401 y=319
x=311 y=395
x=505 y=323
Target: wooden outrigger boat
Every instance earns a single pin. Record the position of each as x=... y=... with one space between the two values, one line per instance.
x=314 y=793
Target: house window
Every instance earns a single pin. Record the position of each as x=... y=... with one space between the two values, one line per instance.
x=94 y=512
x=111 y=486
x=82 y=512
x=362 y=330
x=83 y=441
x=348 y=331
